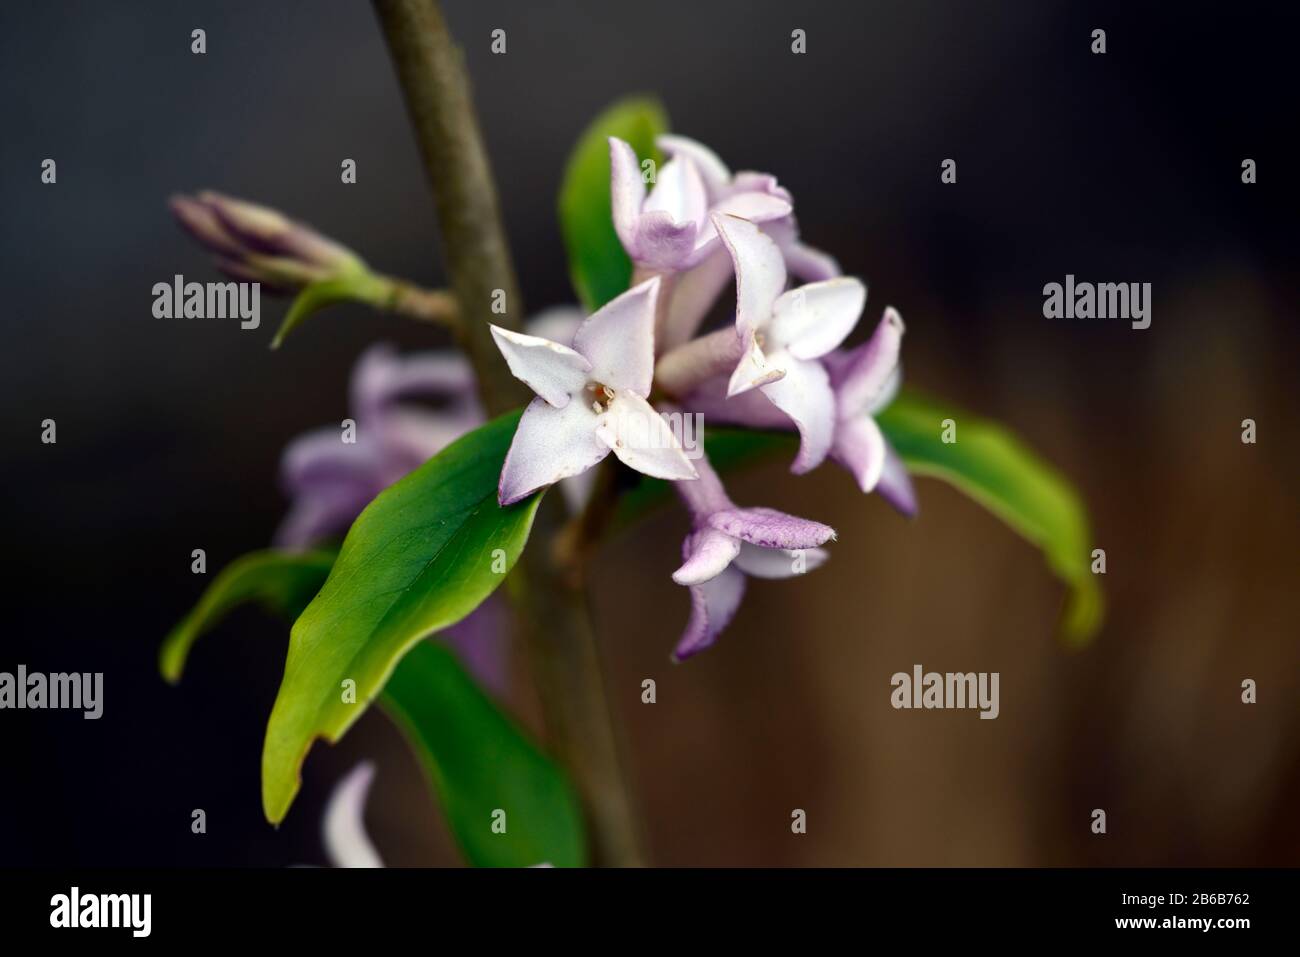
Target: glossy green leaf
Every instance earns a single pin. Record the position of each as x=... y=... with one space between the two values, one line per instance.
x=996 y=469
x=475 y=757
x=479 y=763
x=598 y=266
x=282 y=582
x=421 y=557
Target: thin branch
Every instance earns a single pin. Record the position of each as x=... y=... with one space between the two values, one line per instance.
x=434 y=306
x=552 y=610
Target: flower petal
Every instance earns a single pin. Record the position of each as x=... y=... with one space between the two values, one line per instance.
x=888 y=392
x=812 y=320
x=693 y=295
x=803 y=262
x=804 y=394
x=768 y=528
x=779 y=562
x=860 y=448
x=553 y=371
x=760 y=270
x=642 y=440
x=481 y=640
x=557 y=323
x=322 y=513
x=752 y=409
x=618 y=340
x=754 y=206
x=346 y=841
x=713 y=171
x=626 y=191
x=663 y=244
x=751 y=206
x=705 y=495
x=321 y=457
x=679 y=192
x=863 y=375
x=713 y=605
x=708 y=553
x=749 y=181
x=680 y=371
x=549 y=444
x=753 y=370
x=895 y=485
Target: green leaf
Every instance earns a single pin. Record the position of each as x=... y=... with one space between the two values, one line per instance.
x=421 y=557
x=598 y=266
x=479 y=763
x=282 y=582
x=996 y=469
x=476 y=759
x=356 y=286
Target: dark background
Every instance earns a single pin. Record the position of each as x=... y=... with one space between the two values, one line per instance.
x=1122 y=167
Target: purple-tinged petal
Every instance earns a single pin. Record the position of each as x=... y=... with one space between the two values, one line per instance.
x=267 y=230
x=752 y=409
x=663 y=244
x=550 y=444
x=713 y=605
x=862 y=375
x=346 y=842
x=682 y=370
x=809 y=264
x=481 y=642
x=618 y=340
x=708 y=553
x=433 y=374
x=324 y=512
x=713 y=171
x=804 y=394
x=776 y=563
x=895 y=485
x=860 y=448
x=411 y=436
x=748 y=181
x=679 y=192
x=553 y=371
x=768 y=528
x=626 y=192
x=888 y=391
x=811 y=320
x=754 y=369
x=693 y=294
x=557 y=323
x=321 y=456
x=706 y=494
x=201 y=222
x=803 y=262
x=753 y=206
x=642 y=440
x=381 y=376
x=750 y=206
x=760 y=270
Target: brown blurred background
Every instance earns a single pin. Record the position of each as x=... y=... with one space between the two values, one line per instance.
x=1124 y=167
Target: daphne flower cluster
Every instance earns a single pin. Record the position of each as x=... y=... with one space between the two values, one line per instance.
x=779 y=364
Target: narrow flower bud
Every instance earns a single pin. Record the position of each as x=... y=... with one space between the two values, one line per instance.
x=259 y=244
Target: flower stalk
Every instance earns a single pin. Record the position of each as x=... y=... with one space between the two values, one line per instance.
x=552 y=610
